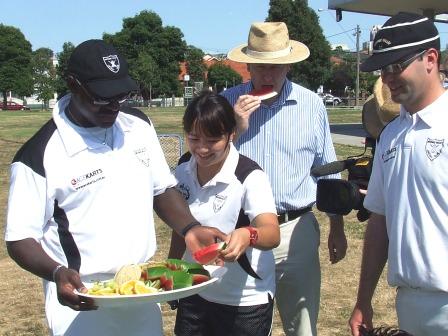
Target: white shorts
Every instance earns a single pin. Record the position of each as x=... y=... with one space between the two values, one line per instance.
x=422 y=313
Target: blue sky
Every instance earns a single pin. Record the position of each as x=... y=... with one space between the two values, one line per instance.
x=213 y=26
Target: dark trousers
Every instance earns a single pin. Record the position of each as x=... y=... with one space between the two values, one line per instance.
x=199 y=317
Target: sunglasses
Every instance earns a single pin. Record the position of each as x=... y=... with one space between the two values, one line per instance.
x=100 y=101
x=397 y=68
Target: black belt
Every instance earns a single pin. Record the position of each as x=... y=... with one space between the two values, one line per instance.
x=292 y=214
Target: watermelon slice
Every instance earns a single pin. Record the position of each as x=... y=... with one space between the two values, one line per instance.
x=208 y=254
x=181 y=279
x=266 y=92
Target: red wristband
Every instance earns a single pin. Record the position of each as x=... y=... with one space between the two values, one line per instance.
x=253 y=235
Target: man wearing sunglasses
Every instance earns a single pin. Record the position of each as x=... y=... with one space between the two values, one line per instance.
x=82 y=194
x=407 y=192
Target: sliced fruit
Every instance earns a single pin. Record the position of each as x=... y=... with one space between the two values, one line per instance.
x=127 y=288
x=157 y=272
x=127 y=273
x=200 y=278
x=209 y=254
x=181 y=279
x=106 y=291
x=266 y=92
x=141 y=288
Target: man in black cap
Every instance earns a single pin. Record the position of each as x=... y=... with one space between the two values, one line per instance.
x=408 y=189
x=82 y=194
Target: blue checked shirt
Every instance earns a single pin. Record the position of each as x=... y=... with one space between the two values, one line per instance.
x=287 y=139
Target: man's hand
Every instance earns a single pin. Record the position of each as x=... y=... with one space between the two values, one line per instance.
x=201 y=236
x=244 y=107
x=361 y=317
x=67 y=280
x=337 y=242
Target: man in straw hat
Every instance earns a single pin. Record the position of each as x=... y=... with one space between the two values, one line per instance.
x=287 y=134
x=408 y=189
x=82 y=195
x=378 y=109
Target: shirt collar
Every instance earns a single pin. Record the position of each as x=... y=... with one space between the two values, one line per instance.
x=73 y=142
x=427 y=114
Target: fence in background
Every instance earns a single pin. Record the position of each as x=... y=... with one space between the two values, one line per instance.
x=172 y=146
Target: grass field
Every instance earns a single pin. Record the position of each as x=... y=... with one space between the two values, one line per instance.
x=21 y=292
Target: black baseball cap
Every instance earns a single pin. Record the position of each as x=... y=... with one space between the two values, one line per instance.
x=101 y=68
x=403 y=35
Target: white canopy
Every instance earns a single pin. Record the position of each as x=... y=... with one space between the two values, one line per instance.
x=437 y=9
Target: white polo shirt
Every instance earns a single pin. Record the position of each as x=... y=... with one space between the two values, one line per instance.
x=409 y=185
x=218 y=204
x=89 y=206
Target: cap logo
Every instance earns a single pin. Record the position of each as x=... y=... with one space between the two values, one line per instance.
x=112 y=62
x=382 y=43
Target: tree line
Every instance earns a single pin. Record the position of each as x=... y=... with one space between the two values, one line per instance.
x=154 y=53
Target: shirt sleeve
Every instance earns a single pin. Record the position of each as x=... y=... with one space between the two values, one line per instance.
x=325 y=152
x=258 y=197
x=26 y=204
x=374 y=200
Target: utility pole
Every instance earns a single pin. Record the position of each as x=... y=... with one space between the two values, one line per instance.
x=358 y=33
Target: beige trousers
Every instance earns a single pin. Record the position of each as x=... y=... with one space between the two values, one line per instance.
x=298 y=275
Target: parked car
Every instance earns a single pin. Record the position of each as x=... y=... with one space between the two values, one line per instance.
x=10 y=105
x=329 y=99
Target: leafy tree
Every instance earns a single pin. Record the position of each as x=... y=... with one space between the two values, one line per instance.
x=44 y=75
x=221 y=76
x=195 y=64
x=61 y=69
x=303 y=25
x=15 y=63
x=343 y=75
x=146 y=74
x=147 y=44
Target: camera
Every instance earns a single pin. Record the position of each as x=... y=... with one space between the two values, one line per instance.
x=340 y=196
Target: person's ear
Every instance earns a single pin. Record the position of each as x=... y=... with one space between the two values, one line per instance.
x=432 y=59
x=232 y=136
x=71 y=83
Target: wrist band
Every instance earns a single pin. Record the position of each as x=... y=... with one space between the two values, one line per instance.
x=56 y=269
x=189 y=227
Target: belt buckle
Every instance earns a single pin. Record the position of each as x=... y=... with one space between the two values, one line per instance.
x=286 y=217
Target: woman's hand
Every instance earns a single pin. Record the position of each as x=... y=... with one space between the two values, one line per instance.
x=237 y=243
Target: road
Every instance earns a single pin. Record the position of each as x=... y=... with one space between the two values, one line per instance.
x=348 y=134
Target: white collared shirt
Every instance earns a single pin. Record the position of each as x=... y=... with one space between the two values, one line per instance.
x=409 y=185
x=218 y=203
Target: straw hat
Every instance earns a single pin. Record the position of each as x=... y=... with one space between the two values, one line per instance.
x=386 y=108
x=269 y=43
x=378 y=109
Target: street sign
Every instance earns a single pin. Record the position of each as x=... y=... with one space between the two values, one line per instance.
x=188 y=92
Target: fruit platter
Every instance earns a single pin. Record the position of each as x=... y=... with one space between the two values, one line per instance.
x=164 y=281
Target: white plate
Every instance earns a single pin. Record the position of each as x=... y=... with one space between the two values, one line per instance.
x=119 y=300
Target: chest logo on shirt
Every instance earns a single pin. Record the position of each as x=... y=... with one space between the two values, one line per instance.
x=218 y=203
x=433 y=148
x=142 y=155
x=389 y=154
x=87 y=179
x=184 y=190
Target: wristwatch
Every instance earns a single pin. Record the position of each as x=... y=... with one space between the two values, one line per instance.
x=253 y=235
